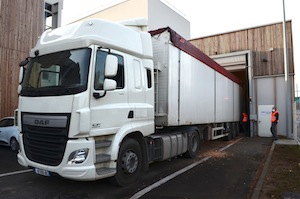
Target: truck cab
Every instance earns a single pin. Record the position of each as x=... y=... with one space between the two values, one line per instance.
x=87 y=88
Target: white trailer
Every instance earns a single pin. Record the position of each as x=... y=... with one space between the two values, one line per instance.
x=99 y=99
x=191 y=88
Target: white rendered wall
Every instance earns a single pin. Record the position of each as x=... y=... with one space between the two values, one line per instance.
x=162 y=15
x=267 y=94
x=159 y=14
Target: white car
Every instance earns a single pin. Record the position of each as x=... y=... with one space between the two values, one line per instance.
x=9 y=133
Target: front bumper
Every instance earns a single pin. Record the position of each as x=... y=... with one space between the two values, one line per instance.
x=84 y=171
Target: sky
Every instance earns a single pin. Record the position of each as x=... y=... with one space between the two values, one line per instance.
x=210 y=17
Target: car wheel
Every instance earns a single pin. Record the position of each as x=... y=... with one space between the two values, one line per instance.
x=14 y=145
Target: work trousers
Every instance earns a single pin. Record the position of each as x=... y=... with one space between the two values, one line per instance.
x=274 y=130
x=245 y=128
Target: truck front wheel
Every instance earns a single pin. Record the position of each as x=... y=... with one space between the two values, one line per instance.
x=129 y=163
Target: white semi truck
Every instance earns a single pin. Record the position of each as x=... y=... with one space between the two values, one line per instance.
x=99 y=99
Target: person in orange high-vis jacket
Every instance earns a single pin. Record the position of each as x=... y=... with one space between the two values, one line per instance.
x=274 y=122
x=245 y=123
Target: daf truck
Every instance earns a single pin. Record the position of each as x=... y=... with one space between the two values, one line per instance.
x=99 y=99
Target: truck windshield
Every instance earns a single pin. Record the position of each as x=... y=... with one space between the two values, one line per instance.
x=61 y=73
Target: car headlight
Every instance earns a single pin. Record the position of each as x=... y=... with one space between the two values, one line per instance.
x=78 y=156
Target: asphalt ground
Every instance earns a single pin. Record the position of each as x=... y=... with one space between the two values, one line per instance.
x=222 y=169
x=230 y=173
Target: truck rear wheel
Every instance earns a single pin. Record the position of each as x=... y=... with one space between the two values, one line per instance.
x=129 y=163
x=193 y=143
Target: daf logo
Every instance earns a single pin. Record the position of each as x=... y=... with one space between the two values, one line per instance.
x=42 y=122
x=53 y=121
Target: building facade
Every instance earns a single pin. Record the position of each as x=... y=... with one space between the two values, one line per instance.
x=256 y=56
x=159 y=13
x=21 y=23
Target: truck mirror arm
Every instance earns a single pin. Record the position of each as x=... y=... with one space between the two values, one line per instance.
x=24 y=62
x=97 y=95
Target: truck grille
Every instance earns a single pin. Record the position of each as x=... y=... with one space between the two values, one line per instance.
x=45 y=145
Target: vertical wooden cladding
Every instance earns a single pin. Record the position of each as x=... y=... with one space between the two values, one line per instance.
x=266 y=42
x=21 y=22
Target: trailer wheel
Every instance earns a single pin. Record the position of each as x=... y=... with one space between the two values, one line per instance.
x=193 y=143
x=228 y=137
x=128 y=164
x=234 y=133
x=228 y=130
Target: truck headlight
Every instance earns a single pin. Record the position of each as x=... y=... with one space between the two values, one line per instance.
x=78 y=156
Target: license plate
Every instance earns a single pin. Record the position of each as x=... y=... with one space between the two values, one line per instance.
x=41 y=172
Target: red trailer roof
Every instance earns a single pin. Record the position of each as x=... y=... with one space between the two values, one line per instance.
x=189 y=48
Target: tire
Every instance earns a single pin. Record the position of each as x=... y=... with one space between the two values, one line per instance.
x=237 y=129
x=129 y=163
x=230 y=133
x=229 y=136
x=232 y=128
x=14 y=145
x=193 y=143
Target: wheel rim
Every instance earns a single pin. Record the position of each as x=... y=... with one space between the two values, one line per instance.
x=129 y=162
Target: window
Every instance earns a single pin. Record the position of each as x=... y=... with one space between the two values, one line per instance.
x=6 y=122
x=137 y=74
x=99 y=71
x=51 y=14
x=60 y=73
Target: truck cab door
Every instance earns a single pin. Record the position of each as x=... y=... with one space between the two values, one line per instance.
x=110 y=108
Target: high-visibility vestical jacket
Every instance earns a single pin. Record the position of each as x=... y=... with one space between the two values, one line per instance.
x=275 y=116
x=245 y=117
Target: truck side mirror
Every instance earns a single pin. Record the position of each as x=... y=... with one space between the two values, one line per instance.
x=21 y=74
x=21 y=78
x=24 y=62
x=22 y=65
x=111 y=66
x=110 y=71
x=109 y=84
